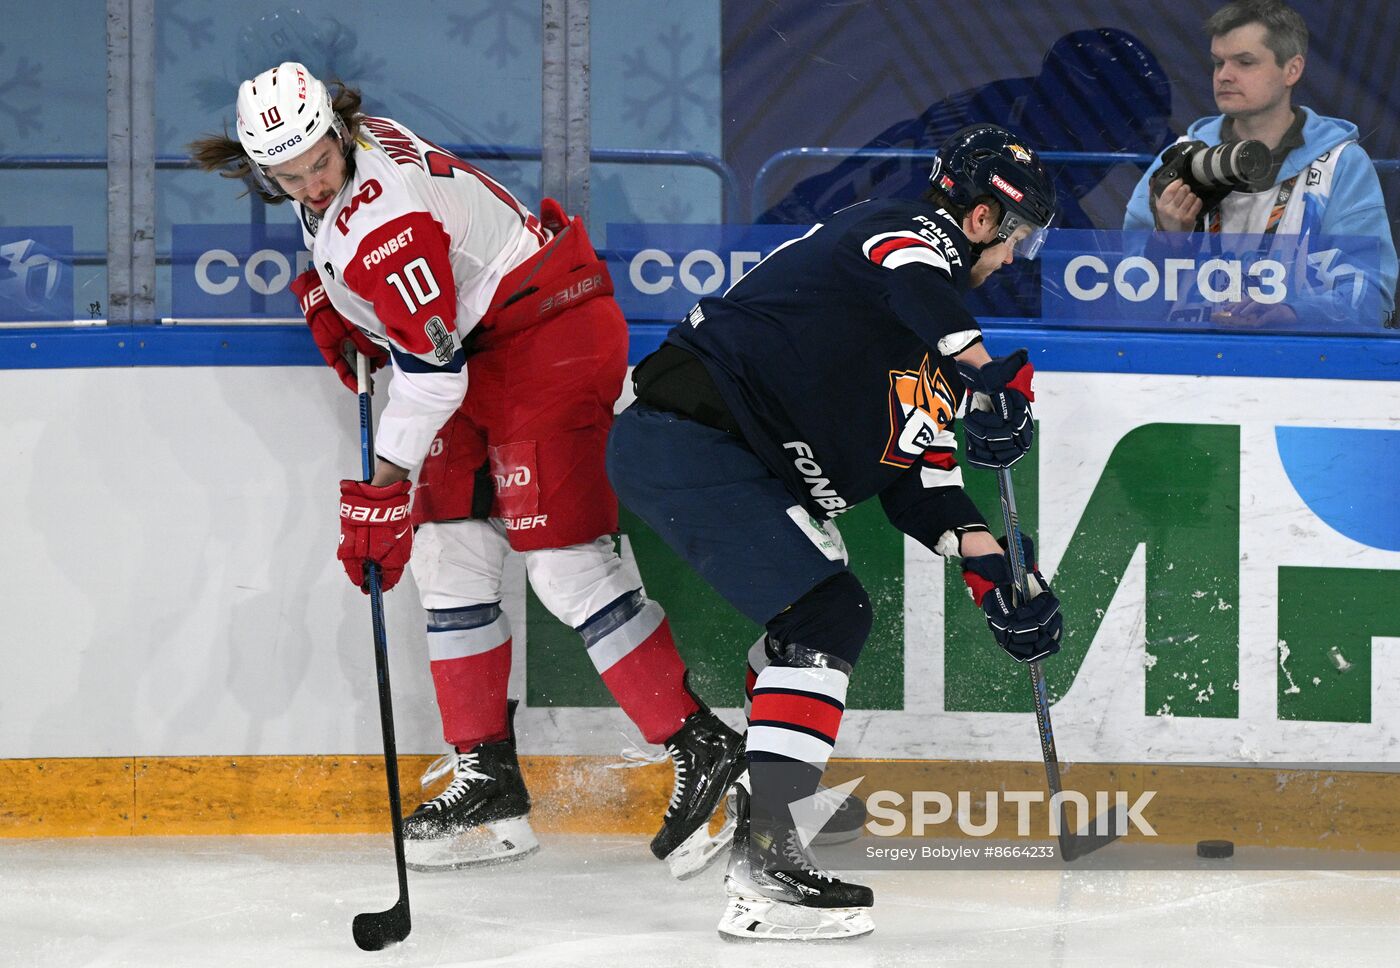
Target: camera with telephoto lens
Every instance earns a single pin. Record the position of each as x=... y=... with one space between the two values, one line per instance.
x=1212 y=172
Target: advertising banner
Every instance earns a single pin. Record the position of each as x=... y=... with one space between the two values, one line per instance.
x=36 y=273
x=1224 y=550
x=660 y=271
x=236 y=272
x=1198 y=281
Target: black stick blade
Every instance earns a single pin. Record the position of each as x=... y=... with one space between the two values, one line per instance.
x=375 y=930
x=1084 y=843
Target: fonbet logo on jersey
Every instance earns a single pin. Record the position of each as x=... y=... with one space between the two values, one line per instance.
x=817 y=482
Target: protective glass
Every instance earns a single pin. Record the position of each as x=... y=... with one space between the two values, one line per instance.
x=1025 y=236
x=264 y=178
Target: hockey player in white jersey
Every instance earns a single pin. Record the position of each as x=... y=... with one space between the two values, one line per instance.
x=507 y=352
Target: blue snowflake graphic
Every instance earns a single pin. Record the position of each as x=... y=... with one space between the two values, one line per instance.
x=501 y=130
x=448 y=128
x=674 y=208
x=197 y=31
x=676 y=90
x=328 y=48
x=501 y=16
x=199 y=203
x=24 y=76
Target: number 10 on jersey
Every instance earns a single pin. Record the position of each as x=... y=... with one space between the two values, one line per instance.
x=415 y=284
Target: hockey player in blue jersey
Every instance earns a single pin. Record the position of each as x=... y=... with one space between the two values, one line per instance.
x=829 y=374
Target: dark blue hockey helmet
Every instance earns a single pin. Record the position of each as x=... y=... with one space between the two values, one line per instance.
x=986 y=159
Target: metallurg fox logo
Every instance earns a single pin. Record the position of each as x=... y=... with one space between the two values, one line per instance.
x=921 y=414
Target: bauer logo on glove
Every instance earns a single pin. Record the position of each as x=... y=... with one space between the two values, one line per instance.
x=374 y=527
x=374 y=515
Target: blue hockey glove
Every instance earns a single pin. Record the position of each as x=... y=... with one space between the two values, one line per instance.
x=1029 y=631
x=998 y=428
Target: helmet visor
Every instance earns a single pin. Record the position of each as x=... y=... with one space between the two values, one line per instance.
x=1025 y=236
x=263 y=176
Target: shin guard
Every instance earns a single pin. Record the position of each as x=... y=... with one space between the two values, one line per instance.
x=630 y=644
x=470 y=653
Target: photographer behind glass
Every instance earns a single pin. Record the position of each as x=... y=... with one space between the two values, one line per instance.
x=1264 y=168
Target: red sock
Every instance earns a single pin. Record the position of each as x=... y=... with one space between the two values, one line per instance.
x=471 y=673
x=642 y=669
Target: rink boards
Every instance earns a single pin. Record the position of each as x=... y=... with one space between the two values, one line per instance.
x=1225 y=547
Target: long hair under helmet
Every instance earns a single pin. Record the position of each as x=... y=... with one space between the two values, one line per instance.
x=283 y=113
x=988 y=160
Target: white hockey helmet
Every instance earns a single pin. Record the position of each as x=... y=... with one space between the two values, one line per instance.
x=282 y=113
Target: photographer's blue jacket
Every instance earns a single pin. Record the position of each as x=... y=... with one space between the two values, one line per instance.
x=1337 y=195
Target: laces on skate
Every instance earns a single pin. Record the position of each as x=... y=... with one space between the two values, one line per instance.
x=678 y=793
x=464 y=766
x=792 y=850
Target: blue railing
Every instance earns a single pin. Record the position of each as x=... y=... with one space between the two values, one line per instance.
x=729 y=182
x=760 y=201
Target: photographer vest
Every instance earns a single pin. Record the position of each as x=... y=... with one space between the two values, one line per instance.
x=1281 y=209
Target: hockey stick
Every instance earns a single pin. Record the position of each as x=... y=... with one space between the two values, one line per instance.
x=374 y=930
x=1072 y=845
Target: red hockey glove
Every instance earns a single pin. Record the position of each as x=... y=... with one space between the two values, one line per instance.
x=335 y=337
x=374 y=526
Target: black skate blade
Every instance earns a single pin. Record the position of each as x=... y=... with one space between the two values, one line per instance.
x=376 y=930
x=1075 y=846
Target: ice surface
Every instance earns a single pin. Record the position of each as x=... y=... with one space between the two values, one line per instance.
x=603 y=901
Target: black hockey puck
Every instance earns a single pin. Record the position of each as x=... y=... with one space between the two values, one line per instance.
x=1215 y=849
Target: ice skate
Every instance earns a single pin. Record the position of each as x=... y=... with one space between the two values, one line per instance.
x=708 y=757
x=481 y=818
x=776 y=893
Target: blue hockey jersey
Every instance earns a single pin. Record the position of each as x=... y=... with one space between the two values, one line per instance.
x=833 y=355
